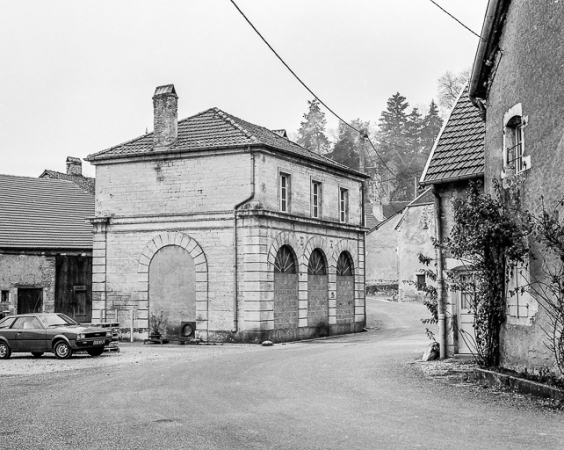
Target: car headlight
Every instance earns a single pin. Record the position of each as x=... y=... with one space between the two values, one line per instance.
x=108 y=334
x=80 y=336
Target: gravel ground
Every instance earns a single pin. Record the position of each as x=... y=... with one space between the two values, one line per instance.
x=24 y=364
x=459 y=373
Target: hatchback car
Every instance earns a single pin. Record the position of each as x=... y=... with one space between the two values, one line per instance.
x=50 y=332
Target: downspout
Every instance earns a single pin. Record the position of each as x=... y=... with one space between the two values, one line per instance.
x=235 y=252
x=489 y=20
x=440 y=281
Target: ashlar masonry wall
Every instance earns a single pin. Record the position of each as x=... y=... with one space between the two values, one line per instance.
x=145 y=205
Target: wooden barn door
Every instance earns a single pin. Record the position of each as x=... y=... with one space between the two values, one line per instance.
x=30 y=300
x=345 y=290
x=317 y=293
x=285 y=290
x=73 y=287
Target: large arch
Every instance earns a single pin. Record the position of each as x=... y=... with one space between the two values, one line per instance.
x=184 y=241
x=318 y=292
x=286 y=300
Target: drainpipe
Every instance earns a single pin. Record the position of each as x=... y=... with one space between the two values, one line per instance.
x=487 y=27
x=235 y=252
x=440 y=281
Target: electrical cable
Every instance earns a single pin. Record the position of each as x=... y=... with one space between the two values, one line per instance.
x=363 y=134
x=449 y=14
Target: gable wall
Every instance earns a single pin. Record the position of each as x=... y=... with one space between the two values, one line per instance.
x=173 y=186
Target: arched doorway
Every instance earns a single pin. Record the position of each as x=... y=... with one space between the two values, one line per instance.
x=345 y=289
x=317 y=292
x=285 y=289
x=172 y=287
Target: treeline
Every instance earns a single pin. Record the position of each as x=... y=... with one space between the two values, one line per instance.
x=402 y=136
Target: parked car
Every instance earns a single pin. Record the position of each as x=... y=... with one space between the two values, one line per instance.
x=50 y=332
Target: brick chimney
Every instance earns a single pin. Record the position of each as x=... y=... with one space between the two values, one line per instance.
x=165 y=107
x=74 y=166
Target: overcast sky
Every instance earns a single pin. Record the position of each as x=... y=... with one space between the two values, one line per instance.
x=77 y=77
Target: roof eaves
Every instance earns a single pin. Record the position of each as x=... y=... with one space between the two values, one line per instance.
x=438 y=139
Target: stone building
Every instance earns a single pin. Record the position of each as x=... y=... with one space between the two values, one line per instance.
x=516 y=83
x=457 y=158
x=74 y=174
x=45 y=247
x=393 y=248
x=226 y=228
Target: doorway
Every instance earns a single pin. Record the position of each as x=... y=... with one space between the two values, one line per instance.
x=30 y=300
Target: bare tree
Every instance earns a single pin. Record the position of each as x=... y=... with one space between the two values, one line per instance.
x=449 y=86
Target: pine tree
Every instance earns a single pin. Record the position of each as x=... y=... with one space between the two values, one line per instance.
x=311 y=134
x=349 y=145
x=432 y=124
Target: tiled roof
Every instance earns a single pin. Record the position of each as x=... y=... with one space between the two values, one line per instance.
x=459 y=150
x=42 y=213
x=86 y=183
x=216 y=129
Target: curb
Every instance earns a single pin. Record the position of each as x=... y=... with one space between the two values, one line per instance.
x=519 y=384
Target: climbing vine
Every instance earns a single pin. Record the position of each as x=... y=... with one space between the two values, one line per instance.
x=490 y=237
x=549 y=233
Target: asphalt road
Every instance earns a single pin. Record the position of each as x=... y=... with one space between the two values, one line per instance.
x=359 y=391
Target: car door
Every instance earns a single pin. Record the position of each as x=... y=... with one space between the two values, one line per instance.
x=30 y=335
x=7 y=332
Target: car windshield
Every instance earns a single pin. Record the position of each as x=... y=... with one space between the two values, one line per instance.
x=7 y=322
x=56 y=320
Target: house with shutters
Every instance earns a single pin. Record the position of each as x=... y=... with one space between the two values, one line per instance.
x=45 y=247
x=229 y=230
x=516 y=84
x=456 y=159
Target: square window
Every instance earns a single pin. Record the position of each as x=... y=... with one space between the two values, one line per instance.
x=421 y=282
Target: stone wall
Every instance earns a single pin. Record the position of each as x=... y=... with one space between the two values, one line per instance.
x=416 y=230
x=31 y=271
x=529 y=72
x=382 y=255
x=143 y=206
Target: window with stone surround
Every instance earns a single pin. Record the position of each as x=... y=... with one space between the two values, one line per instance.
x=4 y=296
x=514 y=159
x=519 y=300
x=316 y=199
x=284 y=191
x=343 y=205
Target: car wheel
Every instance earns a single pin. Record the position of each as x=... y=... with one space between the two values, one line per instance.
x=95 y=351
x=62 y=350
x=37 y=354
x=5 y=350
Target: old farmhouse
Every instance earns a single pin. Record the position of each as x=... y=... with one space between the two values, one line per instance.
x=45 y=247
x=228 y=229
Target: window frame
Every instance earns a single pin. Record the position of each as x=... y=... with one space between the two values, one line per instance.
x=284 y=191
x=316 y=199
x=343 y=204
x=514 y=159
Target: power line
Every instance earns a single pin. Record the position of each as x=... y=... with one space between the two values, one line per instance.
x=449 y=14
x=363 y=134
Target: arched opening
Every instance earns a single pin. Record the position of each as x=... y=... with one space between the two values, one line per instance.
x=285 y=289
x=172 y=288
x=317 y=293
x=345 y=289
